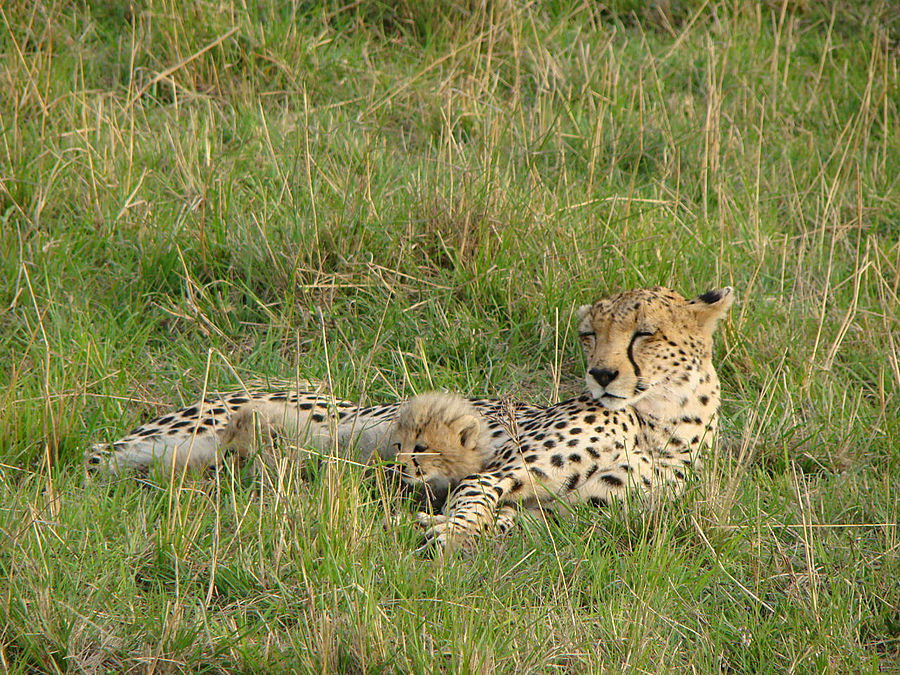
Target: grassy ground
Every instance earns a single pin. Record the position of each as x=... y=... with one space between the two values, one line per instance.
x=397 y=196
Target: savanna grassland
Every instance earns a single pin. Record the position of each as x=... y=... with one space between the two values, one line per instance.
x=397 y=196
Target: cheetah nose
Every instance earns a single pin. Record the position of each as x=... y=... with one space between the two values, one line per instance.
x=603 y=375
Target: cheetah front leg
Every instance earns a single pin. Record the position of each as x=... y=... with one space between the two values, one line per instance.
x=474 y=507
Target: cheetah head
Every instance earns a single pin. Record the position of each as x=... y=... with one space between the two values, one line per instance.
x=649 y=342
x=439 y=439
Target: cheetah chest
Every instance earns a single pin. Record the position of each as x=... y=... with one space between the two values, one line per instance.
x=577 y=450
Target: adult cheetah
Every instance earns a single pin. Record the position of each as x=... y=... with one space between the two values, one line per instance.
x=649 y=410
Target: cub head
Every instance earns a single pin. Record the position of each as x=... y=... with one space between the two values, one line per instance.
x=439 y=439
x=649 y=342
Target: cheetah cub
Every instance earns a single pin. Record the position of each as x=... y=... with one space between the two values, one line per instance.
x=439 y=440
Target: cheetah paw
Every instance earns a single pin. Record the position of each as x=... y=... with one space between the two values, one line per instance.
x=443 y=534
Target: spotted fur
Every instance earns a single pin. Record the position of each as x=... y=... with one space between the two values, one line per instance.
x=649 y=411
x=196 y=437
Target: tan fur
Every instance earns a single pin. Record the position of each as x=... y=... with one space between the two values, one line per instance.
x=649 y=412
x=197 y=437
x=440 y=437
x=671 y=323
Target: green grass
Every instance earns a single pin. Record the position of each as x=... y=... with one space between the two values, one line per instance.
x=398 y=196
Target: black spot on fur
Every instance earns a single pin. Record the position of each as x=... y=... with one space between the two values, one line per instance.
x=190 y=412
x=609 y=479
x=575 y=457
x=599 y=502
x=557 y=460
x=318 y=418
x=710 y=297
x=592 y=452
x=572 y=482
x=550 y=443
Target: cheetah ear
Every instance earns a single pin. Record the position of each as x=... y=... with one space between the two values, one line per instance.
x=468 y=427
x=712 y=306
x=582 y=312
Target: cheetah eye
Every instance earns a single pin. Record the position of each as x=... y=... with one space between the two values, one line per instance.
x=587 y=339
x=420 y=448
x=643 y=333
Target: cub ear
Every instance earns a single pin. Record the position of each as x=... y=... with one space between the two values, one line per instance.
x=712 y=305
x=468 y=427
